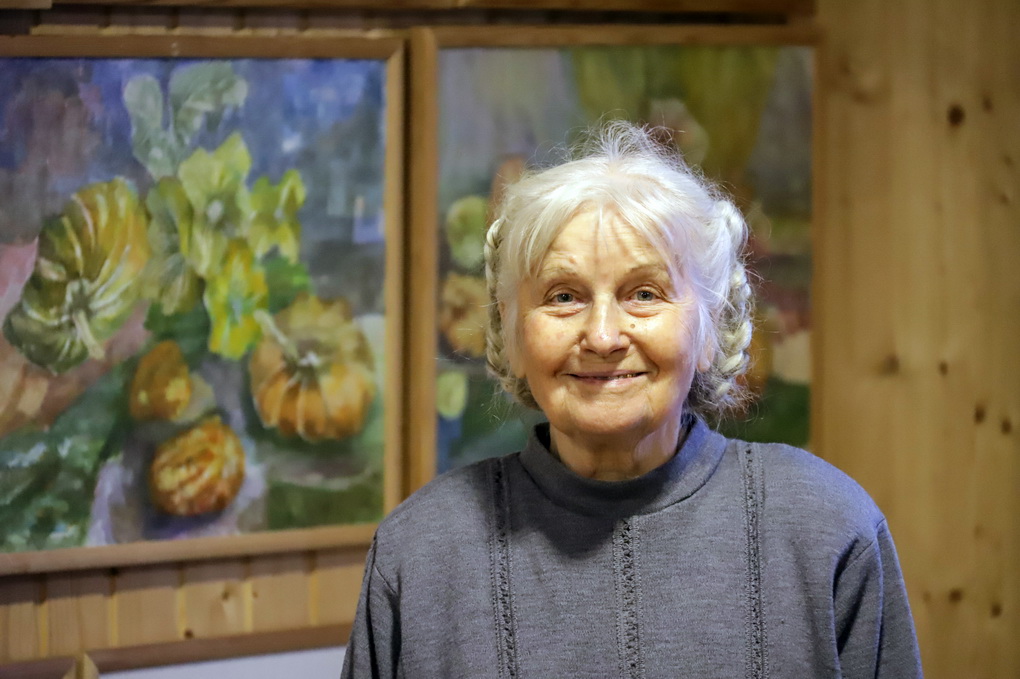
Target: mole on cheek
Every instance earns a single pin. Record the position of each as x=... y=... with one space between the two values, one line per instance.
x=632 y=326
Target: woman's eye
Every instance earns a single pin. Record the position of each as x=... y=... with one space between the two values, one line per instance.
x=563 y=298
x=645 y=296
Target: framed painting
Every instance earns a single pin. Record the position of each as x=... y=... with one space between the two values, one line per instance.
x=734 y=101
x=201 y=287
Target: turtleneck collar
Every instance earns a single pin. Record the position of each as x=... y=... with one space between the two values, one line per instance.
x=668 y=484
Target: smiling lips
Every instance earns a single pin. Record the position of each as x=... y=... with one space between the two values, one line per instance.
x=606 y=377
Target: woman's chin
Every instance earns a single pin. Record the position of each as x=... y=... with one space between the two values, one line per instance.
x=609 y=425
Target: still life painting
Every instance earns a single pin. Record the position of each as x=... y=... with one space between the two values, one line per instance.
x=191 y=258
x=741 y=113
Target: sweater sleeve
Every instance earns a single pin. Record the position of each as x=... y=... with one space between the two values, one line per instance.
x=373 y=650
x=874 y=629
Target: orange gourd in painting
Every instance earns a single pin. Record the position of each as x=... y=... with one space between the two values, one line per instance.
x=312 y=373
x=161 y=386
x=198 y=471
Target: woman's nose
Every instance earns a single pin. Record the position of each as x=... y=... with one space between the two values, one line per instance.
x=603 y=332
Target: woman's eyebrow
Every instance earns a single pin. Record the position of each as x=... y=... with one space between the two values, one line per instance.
x=656 y=270
x=555 y=271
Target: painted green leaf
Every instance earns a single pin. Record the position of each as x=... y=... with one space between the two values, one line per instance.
x=286 y=279
x=86 y=278
x=171 y=280
x=150 y=142
x=47 y=478
x=215 y=185
x=189 y=329
x=200 y=94
x=275 y=222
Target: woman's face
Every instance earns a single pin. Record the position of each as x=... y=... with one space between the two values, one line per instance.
x=607 y=334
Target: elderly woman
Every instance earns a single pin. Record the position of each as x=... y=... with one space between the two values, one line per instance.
x=628 y=539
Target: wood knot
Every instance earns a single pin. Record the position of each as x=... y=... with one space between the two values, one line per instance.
x=996 y=609
x=955 y=595
x=188 y=634
x=986 y=102
x=943 y=368
x=1007 y=425
x=979 y=413
x=956 y=115
x=890 y=365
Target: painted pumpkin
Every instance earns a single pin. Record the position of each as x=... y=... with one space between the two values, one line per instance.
x=463 y=315
x=312 y=373
x=86 y=278
x=161 y=386
x=198 y=471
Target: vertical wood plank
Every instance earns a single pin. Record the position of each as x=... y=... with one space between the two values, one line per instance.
x=146 y=606
x=20 y=598
x=280 y=592
x=338 y=576
x=920 y=308
x=78 y=612
x=212 y=595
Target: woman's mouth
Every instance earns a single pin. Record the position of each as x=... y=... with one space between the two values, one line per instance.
x=603 y=377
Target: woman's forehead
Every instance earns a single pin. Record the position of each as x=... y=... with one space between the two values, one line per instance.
x=604 y=235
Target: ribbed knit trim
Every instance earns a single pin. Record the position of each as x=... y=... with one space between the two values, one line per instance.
x=500 y=562
x=757 y=660
x=674 y=481
x=628 y=638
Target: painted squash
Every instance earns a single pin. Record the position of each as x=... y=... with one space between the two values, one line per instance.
x=86 y=278
x=161 y=386
x=463 y=315
x=312 y=373
x=198 y=471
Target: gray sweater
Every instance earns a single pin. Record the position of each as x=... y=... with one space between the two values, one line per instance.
x=732 y=560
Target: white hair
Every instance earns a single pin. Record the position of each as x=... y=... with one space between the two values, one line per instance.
x=622 y=169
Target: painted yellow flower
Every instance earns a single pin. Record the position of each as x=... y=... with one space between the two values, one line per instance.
x=275 y=223
x=232 y=296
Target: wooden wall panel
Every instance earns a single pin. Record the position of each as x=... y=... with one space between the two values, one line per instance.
x=918 y=304
x=20 y=621
x=213 y=599
x=78 y=612
x=336 y=586
x=280 y=592
x=146 y=609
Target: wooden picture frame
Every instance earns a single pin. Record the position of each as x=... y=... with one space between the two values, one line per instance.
x=425 y=177
x=383 y=54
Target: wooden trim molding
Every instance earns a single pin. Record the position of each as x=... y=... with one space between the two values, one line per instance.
x=774 y=7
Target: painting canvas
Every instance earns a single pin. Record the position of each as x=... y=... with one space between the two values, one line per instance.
x=192 y=260
x=741 y=113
